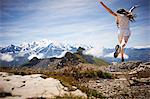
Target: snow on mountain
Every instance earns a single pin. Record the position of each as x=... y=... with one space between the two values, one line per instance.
x=40 y=49
x=17 y=55
x=10 y=49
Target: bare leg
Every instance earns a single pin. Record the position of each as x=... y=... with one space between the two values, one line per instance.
x=122 y=50
x=126 y=40
x=120 y=38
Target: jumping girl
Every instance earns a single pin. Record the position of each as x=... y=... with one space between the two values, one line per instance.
x=123 y=18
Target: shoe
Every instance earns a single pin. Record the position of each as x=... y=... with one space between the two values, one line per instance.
x=117 y=51
x=122 y=59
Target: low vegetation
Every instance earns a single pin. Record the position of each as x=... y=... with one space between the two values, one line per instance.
x=74 y=70
x=100 y=62
x=68 y=76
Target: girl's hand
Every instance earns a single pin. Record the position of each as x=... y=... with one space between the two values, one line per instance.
x=108 y=9
x=99 y=1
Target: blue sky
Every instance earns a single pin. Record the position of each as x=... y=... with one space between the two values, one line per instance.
x=71 y=21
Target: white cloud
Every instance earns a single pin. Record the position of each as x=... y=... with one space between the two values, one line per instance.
x=97 y=51
x=6 y=57
x=119 y=56
x=139 y=47
x=61 y=55
x=35 y=55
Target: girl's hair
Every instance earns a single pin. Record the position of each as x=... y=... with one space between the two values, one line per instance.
x=130 y=15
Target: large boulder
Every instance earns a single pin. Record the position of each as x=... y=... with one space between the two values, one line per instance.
x=33 y=87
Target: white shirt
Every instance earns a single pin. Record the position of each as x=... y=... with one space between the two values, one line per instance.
x=124 y=26
x=123 y=21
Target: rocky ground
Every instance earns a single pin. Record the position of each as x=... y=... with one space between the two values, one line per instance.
x=32 y=86
x=131 y=81
x=127 y=80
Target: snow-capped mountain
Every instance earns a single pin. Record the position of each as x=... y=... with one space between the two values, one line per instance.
x=11 y=48
x=13 y=55
x=16 y=55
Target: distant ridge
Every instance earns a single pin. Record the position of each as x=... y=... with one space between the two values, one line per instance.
x=69 y=59
x=15 y=55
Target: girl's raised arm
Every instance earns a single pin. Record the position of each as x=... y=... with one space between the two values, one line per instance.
x=108 y=9
x=135 y=6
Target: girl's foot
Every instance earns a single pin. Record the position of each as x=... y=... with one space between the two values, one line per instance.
x=122 y=59
x=117 y=51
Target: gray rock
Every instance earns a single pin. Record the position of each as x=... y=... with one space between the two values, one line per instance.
x=142 y=71
x=125 y=66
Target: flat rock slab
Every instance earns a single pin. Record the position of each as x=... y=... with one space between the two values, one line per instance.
x=29 y=86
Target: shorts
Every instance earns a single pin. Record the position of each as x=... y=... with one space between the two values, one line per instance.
x=124 y=32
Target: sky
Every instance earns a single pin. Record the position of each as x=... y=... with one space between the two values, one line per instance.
x=70 y=21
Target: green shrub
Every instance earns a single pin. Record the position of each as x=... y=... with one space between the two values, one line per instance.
x=94 y=74
x=106 y=75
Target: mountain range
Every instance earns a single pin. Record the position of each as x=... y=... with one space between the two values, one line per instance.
x=131 y=54
x=14 y=55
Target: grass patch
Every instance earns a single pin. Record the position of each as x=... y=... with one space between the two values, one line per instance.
x=100 y=62
x=83 y=60
x=95 y=74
